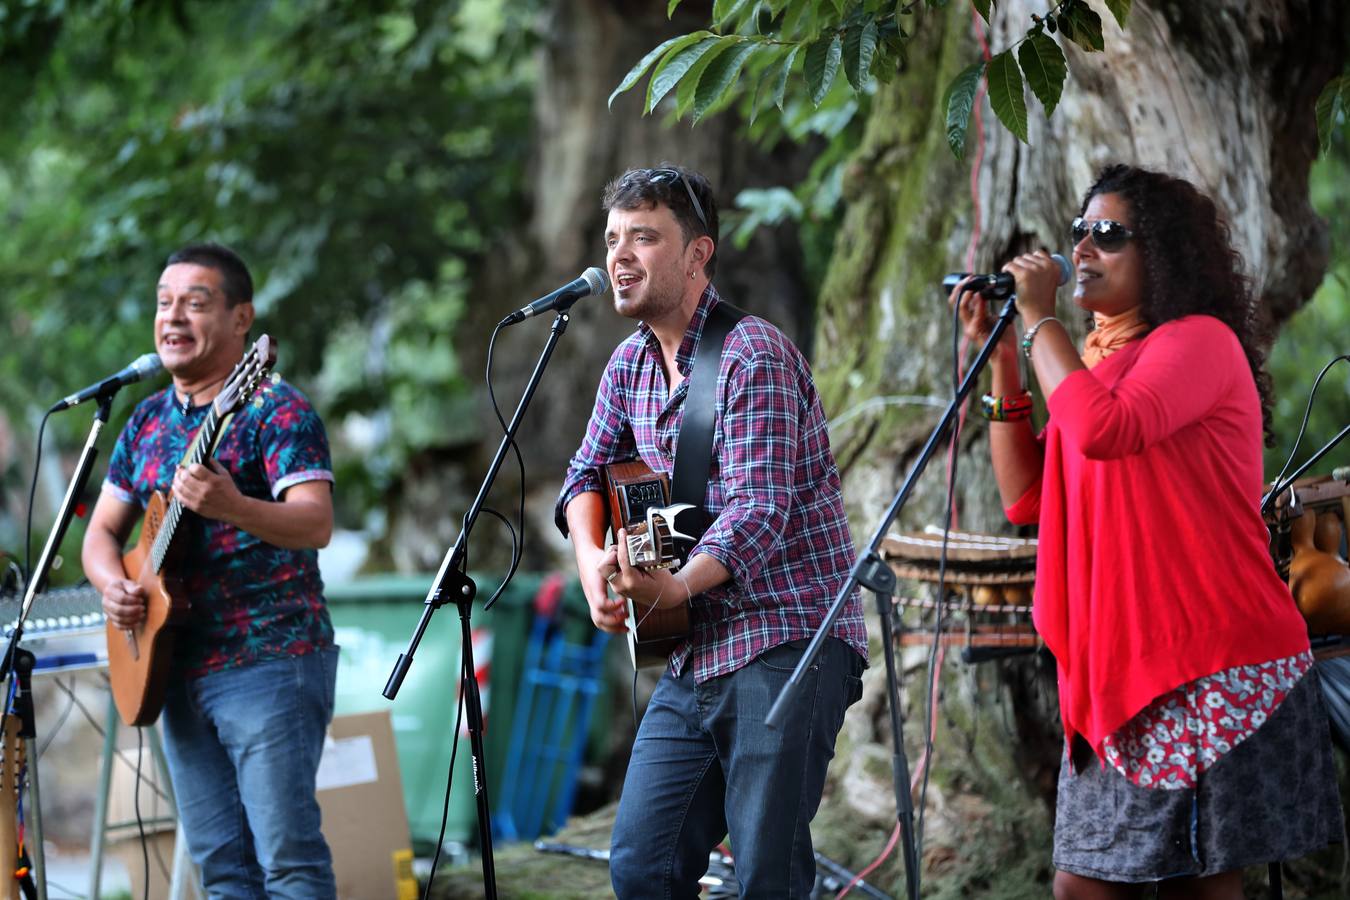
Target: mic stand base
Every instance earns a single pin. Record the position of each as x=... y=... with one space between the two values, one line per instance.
x=879 y=578
x=473 y=714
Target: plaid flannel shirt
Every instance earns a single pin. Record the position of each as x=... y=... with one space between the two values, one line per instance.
x=773 y=488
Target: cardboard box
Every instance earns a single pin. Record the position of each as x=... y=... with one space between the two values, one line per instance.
x=360 y=794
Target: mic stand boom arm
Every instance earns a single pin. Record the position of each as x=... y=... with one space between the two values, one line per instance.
x=870 y=571
x=453 y=584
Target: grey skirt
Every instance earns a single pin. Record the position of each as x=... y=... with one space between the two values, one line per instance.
x=1272 y=797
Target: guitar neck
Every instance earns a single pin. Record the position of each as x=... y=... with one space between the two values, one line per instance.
x=203 y=448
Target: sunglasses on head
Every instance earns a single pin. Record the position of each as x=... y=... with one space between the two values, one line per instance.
x=1108 y=235
x=663 y=176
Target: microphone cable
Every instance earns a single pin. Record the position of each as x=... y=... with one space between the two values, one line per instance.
x=1275 y=487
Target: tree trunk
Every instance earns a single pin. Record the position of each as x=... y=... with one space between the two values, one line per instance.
x=1219 y=93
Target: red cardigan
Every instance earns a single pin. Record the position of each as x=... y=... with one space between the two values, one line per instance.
x=1153 y=567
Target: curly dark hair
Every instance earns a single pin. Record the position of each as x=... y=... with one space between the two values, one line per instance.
x=1190 y=265
x=676 y=188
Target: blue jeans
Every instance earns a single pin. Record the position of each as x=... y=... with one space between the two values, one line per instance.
x=705 y=766
x=243 y=747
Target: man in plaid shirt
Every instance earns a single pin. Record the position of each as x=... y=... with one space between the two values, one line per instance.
x=758 y=582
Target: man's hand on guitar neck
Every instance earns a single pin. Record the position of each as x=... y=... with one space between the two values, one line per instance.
x=208 y=490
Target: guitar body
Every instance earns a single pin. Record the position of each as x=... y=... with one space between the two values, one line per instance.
x=139 y=657
x=633 y=489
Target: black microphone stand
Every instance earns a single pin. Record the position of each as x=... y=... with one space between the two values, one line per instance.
x=872 y=572
x=453 y=584
x=16 y=659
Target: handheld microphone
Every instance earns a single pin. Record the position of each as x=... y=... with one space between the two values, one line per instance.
x=144 y=367
x=592 y=281
x=1000 y=285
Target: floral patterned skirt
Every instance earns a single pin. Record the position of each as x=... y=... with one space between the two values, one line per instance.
x=1234 y=781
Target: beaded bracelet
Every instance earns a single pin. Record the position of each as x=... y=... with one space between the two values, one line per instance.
x=1006 y=409
x=1031 y=334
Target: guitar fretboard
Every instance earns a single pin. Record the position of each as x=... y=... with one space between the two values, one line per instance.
x=203 y=445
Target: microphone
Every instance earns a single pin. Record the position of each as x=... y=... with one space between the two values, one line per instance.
x=1000 y=286
x=592 y=281
x=145 y=366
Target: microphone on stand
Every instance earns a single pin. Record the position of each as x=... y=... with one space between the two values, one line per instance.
x=146 y=366
x=592 y=281
x=999 y=286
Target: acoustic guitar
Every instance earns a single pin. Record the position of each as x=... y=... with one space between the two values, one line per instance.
x=639 y=502
x=139 y=657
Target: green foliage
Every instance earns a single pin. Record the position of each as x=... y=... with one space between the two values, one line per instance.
x=867 y=39
x=822 y=62
x=1005 y=93
x=959 y=103
x=363 y=156
x=1044 y=65
x=1332 y=105
x=1315 y=335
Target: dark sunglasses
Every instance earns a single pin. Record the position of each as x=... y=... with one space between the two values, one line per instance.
x=1108 y=235
x=663 y=176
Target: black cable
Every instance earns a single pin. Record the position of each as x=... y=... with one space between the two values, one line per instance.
x=939 y=615
x=449 y=780
x=32 y=494
x=517 y=545
x=1275 y=487
x=136 y=805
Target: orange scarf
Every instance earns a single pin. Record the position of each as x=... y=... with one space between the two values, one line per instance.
x=1110 y=334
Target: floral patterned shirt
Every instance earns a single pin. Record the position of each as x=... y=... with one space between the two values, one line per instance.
x=1187 y=730
x=251 y=601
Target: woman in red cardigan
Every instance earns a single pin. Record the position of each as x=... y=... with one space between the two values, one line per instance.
x=1195 y=739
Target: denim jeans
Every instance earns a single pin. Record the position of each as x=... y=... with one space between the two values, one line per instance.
x=705 y=766
x=243 y=747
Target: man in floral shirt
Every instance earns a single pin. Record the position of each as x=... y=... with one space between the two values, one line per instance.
x=251 y=687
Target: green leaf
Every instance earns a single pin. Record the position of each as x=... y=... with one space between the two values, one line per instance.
x=983 y=7
x=688 y=89
x=839 y=7
x=822 y=64
x=959 y=103
x=767 y=77
x=636 y=72
x=780 y=81
x=1005 y=94
x=725 y=9
x=720 y=75
x=677 y=61
x=1043 y=63
x=1331 y=108
x=1120 y=9
x=670 y=8
x=1083 y=26
x=860 y=45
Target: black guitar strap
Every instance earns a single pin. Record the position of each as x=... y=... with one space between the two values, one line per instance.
x=693 y=449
